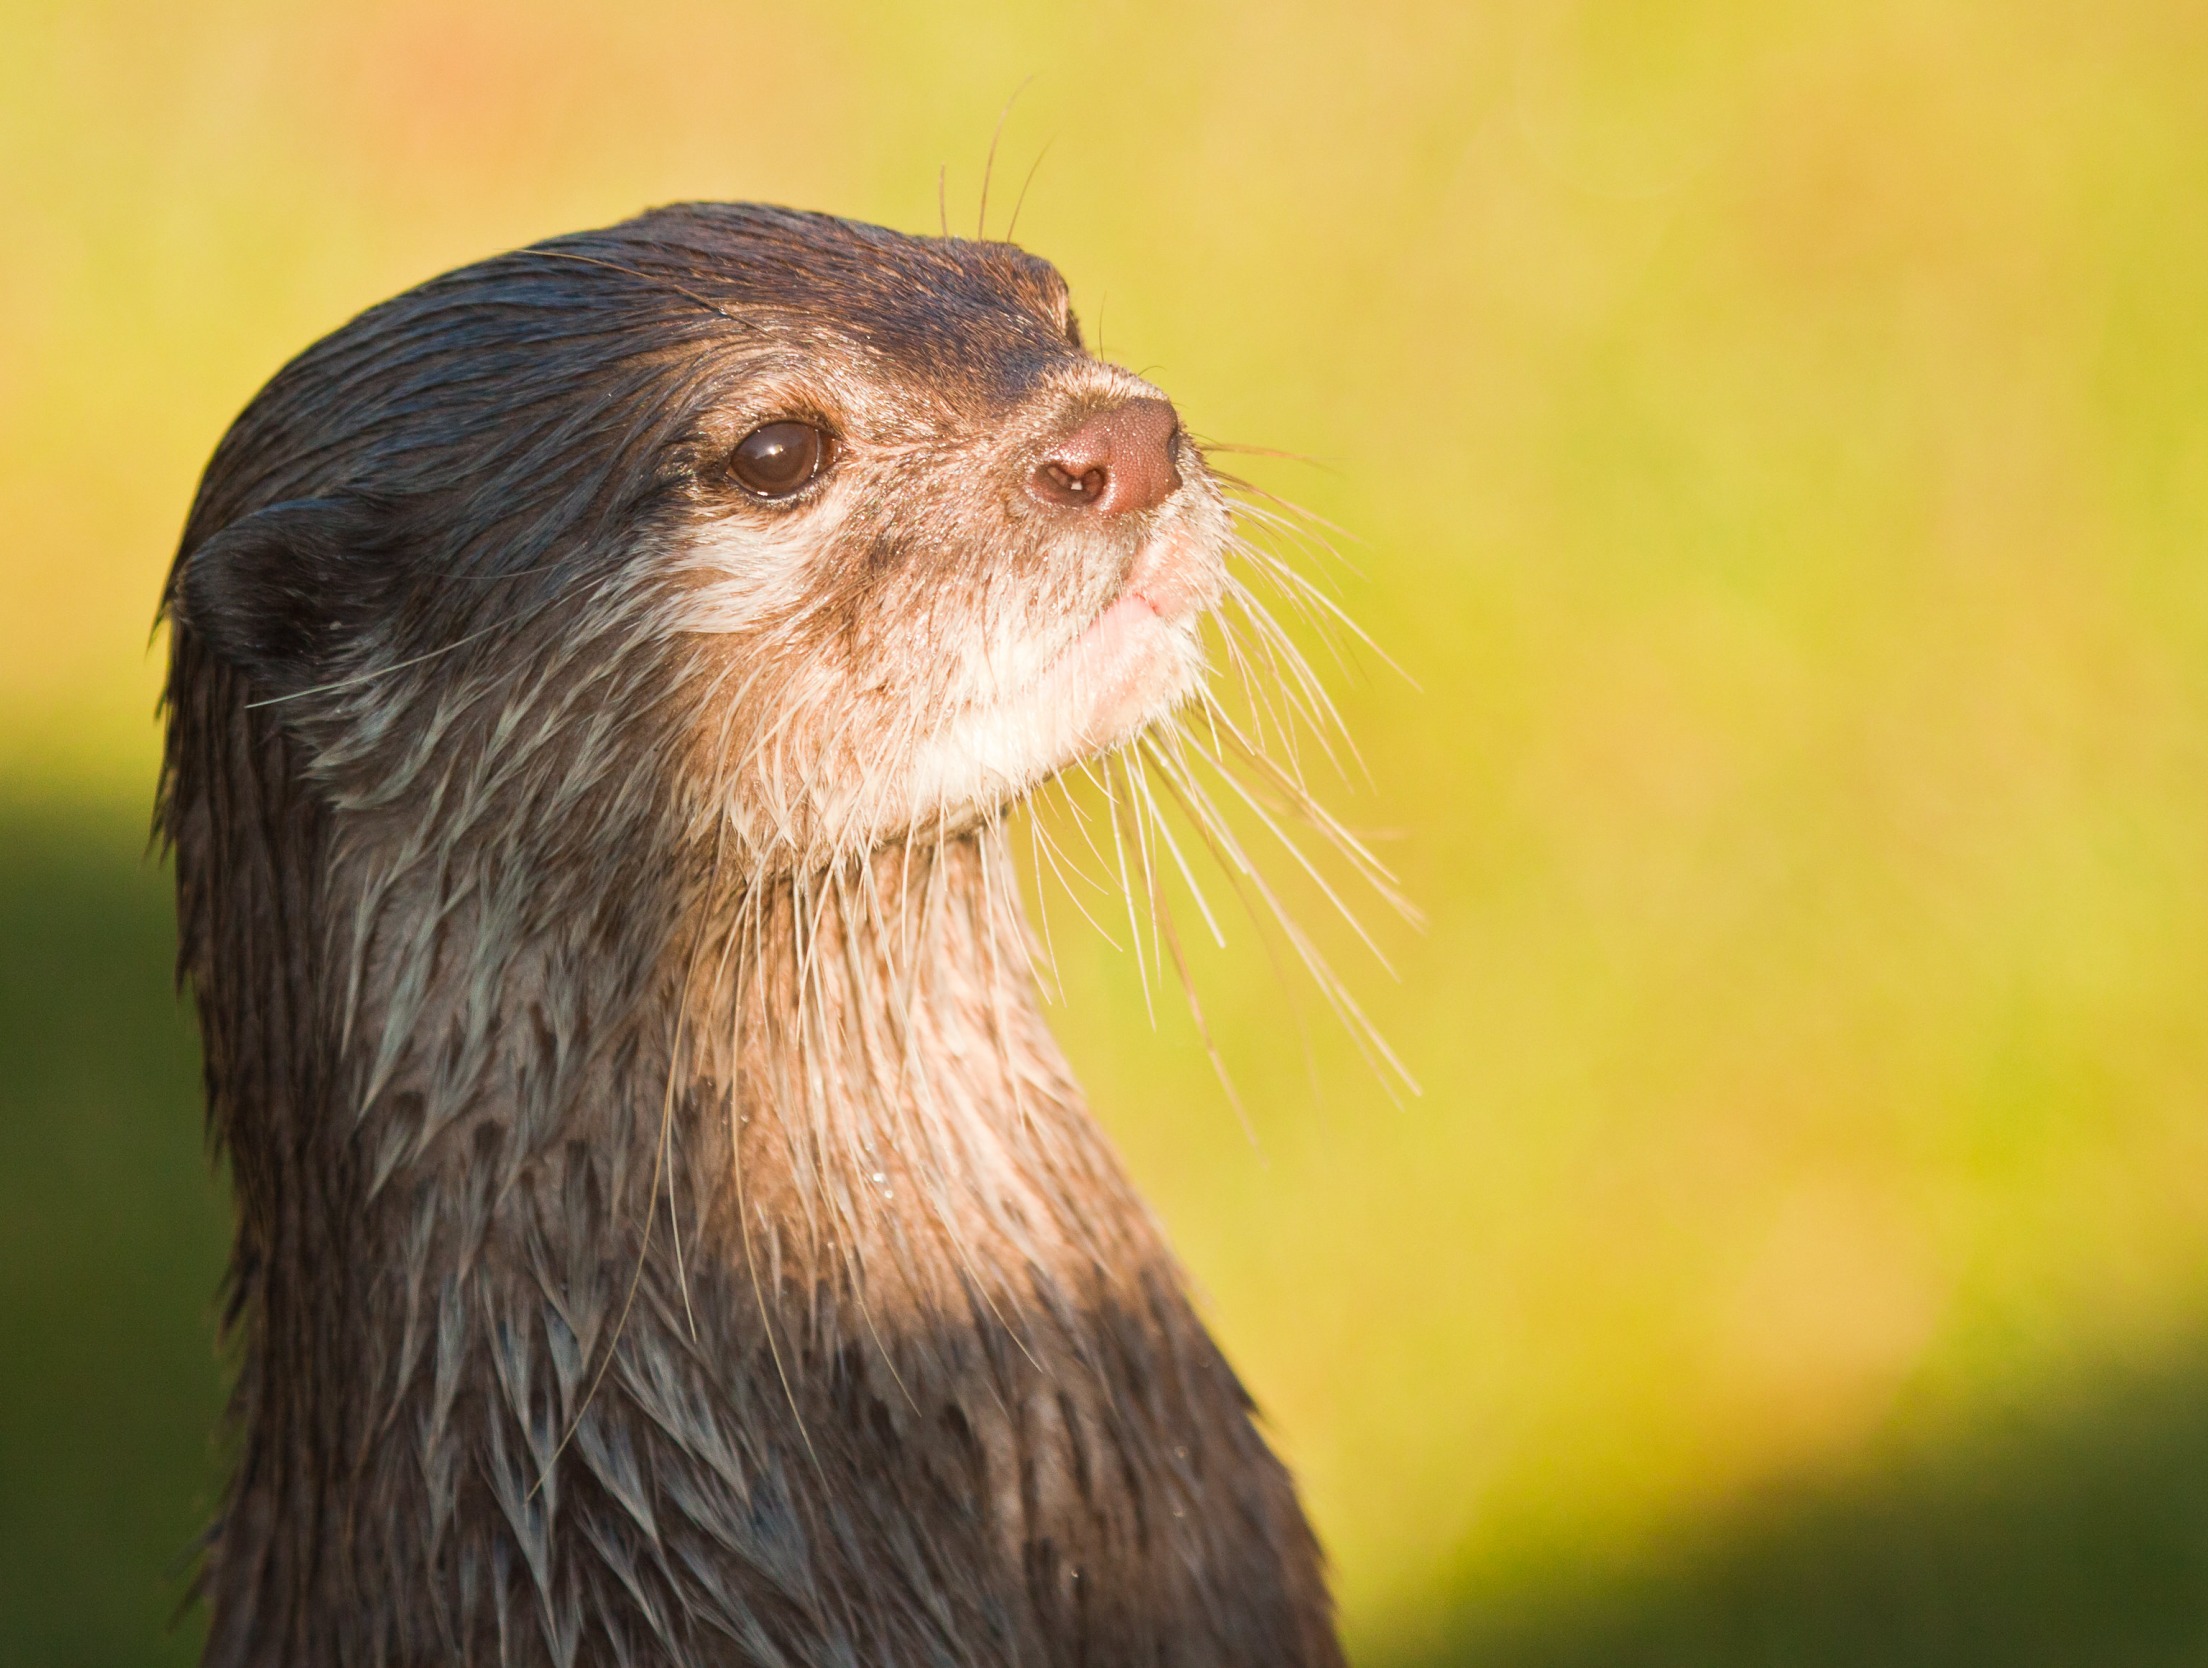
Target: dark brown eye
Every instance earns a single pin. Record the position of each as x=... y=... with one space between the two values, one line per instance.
x=775 y=459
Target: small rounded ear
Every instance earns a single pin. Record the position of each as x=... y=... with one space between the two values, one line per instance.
x=281 y=592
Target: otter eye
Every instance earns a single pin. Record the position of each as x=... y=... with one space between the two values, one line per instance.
x=775 y=459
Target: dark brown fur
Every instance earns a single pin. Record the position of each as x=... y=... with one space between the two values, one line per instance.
x=666 y=1231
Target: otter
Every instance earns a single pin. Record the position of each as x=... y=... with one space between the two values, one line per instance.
x=666 y=1230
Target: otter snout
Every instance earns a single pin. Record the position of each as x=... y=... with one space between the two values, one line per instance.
x=1119 y=461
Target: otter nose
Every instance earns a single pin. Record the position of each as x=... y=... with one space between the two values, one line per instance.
x=1116 y=462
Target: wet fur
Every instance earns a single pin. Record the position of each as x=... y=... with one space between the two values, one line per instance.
x=666 y=1230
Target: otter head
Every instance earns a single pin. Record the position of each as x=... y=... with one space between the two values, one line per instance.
x=835 y=533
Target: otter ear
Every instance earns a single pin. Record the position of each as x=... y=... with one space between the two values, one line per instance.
x=279 y=593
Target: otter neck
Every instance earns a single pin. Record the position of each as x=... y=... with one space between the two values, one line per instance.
x=771 y=1299
x=902 y=1125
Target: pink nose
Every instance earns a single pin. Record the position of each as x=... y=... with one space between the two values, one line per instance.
x=1117 y=462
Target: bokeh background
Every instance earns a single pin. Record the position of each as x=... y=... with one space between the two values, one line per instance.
x=1774 y=438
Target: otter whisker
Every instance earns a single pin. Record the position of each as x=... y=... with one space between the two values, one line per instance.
x=1274 y=572
x=1302 y=804
x=1284 y=581
x=1299 y=530
x=1053 y=988
x=1252 y=690
x=1127 y=760
x=815 y=1038
x=1172 y=846
x=1126 y=885
x=1301 y=685
x=1080 y=816
x=1207 y=816
x=1261 y=708
x=1287 y=841
x=989 y=165
x=1305 y=693
x=1070 y=870
x=1179 y=788
x=997 y=824
x=1296 y=583
x=1345 y=843
x=1012 y=226
x=802 y=1135
x=1160 y=911
x=1307 y=526
x=368 y=677
x=904 y=915
x=1208 y=446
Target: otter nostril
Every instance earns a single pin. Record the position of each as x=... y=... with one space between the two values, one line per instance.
x=1058 y=484
x=1116 y=462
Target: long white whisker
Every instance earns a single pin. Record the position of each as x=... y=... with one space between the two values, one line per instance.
x=1128 y=763
x=1303 y=862
x=1375 y=873
x=1165 y=834
x=1337 y=995
x=1162 y=915
x=1052 y=852
x=1126 y=886
x=1320 y=713
x=1334 y=610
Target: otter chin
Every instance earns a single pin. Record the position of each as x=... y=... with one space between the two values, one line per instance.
x=666 y=1229
x=1142 y=658
x=1132 y=664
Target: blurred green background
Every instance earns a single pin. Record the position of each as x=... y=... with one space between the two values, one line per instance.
x=1776 y=437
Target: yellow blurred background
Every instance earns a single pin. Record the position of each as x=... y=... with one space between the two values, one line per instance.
x=1775 y=440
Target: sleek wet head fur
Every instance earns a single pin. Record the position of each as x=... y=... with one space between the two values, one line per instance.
x=666 y=1230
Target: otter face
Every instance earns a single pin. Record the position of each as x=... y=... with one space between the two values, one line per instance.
x=943 y=553
x=842 y=526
